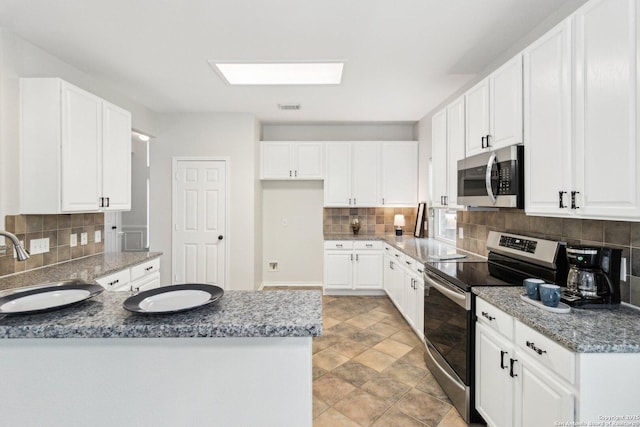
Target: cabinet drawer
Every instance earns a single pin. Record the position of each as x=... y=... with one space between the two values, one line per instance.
x=148 y=267
x=115 y=281
x=338 y=244
x=367 y=244
x=495 y=318
x=546 y=351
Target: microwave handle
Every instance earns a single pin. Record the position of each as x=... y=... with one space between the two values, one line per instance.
x=487 y=177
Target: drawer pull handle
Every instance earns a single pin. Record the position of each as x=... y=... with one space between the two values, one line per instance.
x=397 y=256
x=533 y=347
x=420 y=271
x=338 y=245
x=511 y=373
x=502 y=353
x=369 y=245
x=408 y=263
x=485 y=314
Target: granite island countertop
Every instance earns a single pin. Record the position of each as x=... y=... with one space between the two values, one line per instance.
x=236 y=314
x=423 y=250
x=581 y=331
x=87 y=268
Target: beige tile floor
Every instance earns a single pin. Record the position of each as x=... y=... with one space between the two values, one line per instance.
x=369 y=370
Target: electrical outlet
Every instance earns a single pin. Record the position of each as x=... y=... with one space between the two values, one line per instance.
x=98 y=236
x=273 y=265
x=39 y=246
x=84 y=238
x=73 y=240
x=460 y=233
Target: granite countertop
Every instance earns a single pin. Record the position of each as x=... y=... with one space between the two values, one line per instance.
x=87 y=268
x=236 y=314
x=423 y=250
x=581 y=331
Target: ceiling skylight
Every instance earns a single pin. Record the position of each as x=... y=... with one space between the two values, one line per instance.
x=279 y=73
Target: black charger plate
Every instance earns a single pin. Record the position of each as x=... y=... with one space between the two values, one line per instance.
x=140 y=302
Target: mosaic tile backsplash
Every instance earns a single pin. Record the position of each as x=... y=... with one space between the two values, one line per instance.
x=372 y=220
x=617 y=234
x=58 y=228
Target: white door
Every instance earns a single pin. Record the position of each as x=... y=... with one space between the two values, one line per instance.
x=606 y=75
x=338 y=271
x=547 y=119
x=113 y=231
x=116 y=157
x=476 y=102
x=368 y=270
x=276 y=160
x=81 y=160
x=366 y=167
x=505 y=105
x=439 y=158
x=199 y=207
x=337 y=180
x=455 y=149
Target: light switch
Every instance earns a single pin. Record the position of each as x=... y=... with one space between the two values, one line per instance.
x=73 y=240
x=84 y=238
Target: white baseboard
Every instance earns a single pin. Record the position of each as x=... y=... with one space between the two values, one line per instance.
x=292 y=284
x=354 y=292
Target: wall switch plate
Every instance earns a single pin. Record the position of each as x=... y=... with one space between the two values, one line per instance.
x=460 y=233
x=39 y=246
x=98 y=236
x=73 y=240
x=84 y=238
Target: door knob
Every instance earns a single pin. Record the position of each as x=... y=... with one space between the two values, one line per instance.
x=220 y=237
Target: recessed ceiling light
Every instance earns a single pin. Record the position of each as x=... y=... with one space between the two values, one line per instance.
x=280 y=73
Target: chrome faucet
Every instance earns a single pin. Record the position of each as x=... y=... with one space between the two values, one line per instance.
x=21 y=252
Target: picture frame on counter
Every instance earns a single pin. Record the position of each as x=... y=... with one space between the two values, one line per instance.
x=420 y=217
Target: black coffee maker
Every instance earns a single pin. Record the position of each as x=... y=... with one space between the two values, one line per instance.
x=594 y=277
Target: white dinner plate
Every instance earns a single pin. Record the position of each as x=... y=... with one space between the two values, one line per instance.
x=47 y=297
x=173 y=299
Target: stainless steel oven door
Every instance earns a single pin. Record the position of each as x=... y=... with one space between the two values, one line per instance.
x=447 y=324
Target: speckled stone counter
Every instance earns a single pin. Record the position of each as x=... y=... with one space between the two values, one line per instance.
x=236 y=314
x=582 y=331
x=87 y=268
x=421 y=249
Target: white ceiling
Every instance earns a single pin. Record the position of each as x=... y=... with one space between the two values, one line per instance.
x=403 y=57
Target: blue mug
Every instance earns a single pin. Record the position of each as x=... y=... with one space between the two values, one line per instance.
x=531 y=286
x=550 y=294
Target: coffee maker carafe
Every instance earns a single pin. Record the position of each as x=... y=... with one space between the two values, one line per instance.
x=593 y=280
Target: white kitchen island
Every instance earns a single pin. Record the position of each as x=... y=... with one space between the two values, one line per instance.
x=244 y=361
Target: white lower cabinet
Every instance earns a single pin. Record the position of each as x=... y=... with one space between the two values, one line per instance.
x=525 y=379
x=140 y=277
x=404 y=285
x=353 y=265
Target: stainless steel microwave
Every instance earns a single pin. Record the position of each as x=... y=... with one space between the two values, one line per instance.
x=492 y=179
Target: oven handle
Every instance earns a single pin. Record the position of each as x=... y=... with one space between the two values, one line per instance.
x=457 y=296
x=487 y=177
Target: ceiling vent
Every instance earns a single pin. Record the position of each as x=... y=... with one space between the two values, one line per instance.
x=288 y=107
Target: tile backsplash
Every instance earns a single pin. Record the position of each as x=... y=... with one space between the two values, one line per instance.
x=58 y=228
x=372 y=220
x=617 y=234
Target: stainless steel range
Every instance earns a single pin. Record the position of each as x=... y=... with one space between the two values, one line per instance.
x=449 y=306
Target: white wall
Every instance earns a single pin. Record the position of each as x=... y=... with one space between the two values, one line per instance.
x=298 y=247
x=210 y=134
x=19 y=58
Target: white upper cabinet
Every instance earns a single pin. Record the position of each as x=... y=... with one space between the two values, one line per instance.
x=292 y=160
x=448 y=135
x=606 y=110
x=581 y=142
x=371 y=174
x=399 y=174
x=75 y=150
x=547 y=122
x=116 y=150
x=494 y=110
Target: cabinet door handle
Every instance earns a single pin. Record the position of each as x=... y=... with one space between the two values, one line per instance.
x=561 y=199
x=573 y=200
x=391 y=265
x=485 y=314
x=351 y=257
x=533 y=347
x=101 y=202
x=289 y=174
x=482 y=140
x=511 y=363
x=502 y=353
x=296 y=174
x=357 y=257
x=488 y=144
x=354 y=201
x=446 y=200
x=349 y=201
x=383 y=200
